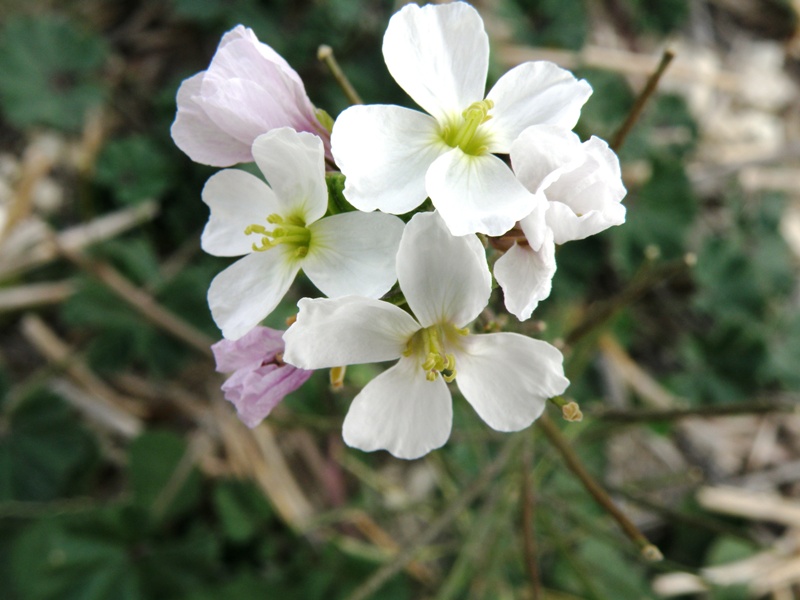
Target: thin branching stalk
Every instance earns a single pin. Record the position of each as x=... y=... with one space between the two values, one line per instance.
x=325 y=54
x=560 y=443
x=470 y=493
x=641 y=101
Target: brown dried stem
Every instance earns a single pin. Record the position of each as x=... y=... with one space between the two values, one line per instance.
x=601 y=312
x=101 y=403
x=562 y=445
x=641 y=101
x=470 y=493
x=143 y=302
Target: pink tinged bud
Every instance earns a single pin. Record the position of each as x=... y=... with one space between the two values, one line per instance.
x=247 y=90
x=260 y=379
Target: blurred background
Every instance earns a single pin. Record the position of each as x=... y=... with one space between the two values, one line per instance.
x=124 y=474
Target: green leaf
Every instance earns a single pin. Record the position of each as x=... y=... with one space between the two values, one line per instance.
x=72 y=559
x=727 y=550
x=49 y=72
x=616 y=576
x=170 y=568
x=241 y=509
x=44 y=450
x=245 y=586
x=135 y=169
x=97 y=555
x=122 y=337
x=161 y=480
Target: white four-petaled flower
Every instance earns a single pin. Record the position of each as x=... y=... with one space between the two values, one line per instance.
x=582 y=187
x=395 y=157
x=407 y=410
x=281 y=229
x=247 y=90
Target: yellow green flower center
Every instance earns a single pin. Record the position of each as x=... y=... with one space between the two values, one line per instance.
x=465 y=132
x=430 y=344
x=291 y=231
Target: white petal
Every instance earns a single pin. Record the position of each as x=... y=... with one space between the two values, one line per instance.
x=476 y=194
x=283 y=97
x=240 y=67
x=249 y=290
x=241 y=108
x=294 y=165
x=542 y=153
x=507 y=378
x=236 y=199
x=567 y=226
x=445 y=279
x=400 y=411
x=439 y=55
x=534 y=226
x=198 y=136
x=586 y=199
x=534 y=93
x=526 y=276
x=385 y=151
x=354 y=253
x=347 y=331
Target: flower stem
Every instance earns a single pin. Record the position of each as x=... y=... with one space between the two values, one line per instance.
x=438 y=525
x=325 y=54
x=601 y=312
x=641 y=101
x=560 y=443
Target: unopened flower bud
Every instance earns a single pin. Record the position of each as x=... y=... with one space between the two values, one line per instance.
x=572 y=412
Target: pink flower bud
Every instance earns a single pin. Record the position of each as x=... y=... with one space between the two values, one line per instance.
x=260 y=379
x=247 y=90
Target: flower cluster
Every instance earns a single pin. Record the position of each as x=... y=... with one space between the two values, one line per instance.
x=503 y=170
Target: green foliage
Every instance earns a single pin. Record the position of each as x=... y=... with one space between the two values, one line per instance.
x=101 y=554
x=659 y=215
x=162 y=477
x=45 y=452
x=49 y=71
x=607 y=107
x=551 y=23
x=744 y=278
x=157 y=529
x=241 y=510
x=122 y=336
x=726 y=550
x=135 y=169
x=658 y=16
x=612 y=574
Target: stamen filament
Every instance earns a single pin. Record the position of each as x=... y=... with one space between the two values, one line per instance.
x=291 y=231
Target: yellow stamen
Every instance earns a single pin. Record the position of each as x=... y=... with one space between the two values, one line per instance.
x=429 y=344
x=291 y=231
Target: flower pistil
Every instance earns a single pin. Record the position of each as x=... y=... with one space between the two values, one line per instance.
x=465 y=134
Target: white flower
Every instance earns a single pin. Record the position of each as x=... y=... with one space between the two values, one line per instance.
x=581 y=181
x=407 y=410
x=350 y=253
x=394 y=157
x=248 y=89
x=582 y=186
